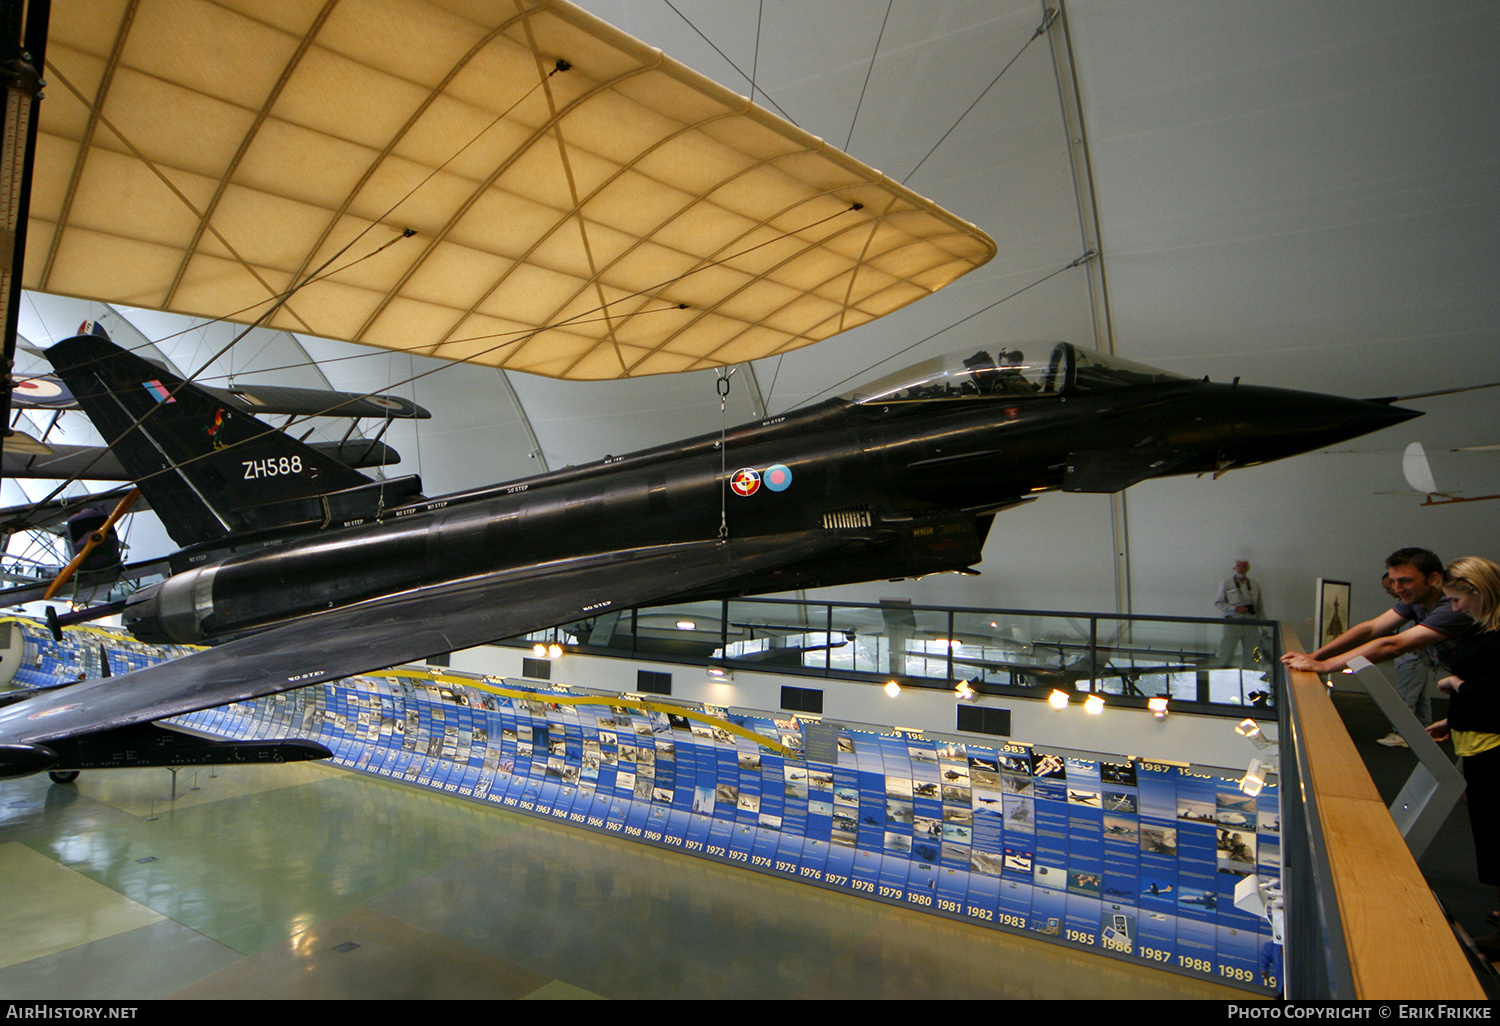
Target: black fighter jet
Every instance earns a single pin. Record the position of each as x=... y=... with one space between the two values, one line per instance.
x=300 y=569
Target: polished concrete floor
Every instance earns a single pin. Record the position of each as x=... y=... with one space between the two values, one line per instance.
x=308 y=882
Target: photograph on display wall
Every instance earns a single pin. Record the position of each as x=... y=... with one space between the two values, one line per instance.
x=1333 y=610
x=1118 y=855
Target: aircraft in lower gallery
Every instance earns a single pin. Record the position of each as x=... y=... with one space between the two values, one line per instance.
x=304 y=570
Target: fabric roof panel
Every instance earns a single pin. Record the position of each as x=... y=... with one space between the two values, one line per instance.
x=625 y=173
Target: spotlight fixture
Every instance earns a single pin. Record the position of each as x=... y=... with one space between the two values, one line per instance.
x=686 y=625
x=964 y=691
x=892 y=688
x=539 y=650
x=1158 y=707
x=1250 y=729
x=1093 y=704
x=1254 y=778
x=554 y=651
x=1058 y=699
x=719 y=673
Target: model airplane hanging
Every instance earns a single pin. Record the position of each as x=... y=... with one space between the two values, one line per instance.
x=308 y=571
x=1418 y=472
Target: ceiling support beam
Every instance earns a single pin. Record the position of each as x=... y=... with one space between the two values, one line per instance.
x=535 y=452
x=23 y=41
x=1088 y=223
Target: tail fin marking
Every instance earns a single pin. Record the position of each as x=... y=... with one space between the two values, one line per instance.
x=198 y=461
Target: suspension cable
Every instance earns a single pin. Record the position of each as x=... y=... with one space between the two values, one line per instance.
x=721 y=383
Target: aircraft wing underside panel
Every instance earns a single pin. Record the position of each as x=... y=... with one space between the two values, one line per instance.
x=1113 y=470
x=397 y=629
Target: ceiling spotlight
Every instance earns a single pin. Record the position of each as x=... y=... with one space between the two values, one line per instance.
x=1251 y=730
x=539 y=650
x=554 y=650
x=1058 y=699
x=1093 y=704
x=964 y=691
x=892 y=688
x=1254 y=778
x=1158 y=707
x=686 y=625
x=719 y=673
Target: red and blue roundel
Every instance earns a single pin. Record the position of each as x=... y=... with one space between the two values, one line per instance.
x=745 y=481
x=778 y=477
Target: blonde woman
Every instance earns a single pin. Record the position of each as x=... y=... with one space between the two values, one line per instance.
x=1472 y=584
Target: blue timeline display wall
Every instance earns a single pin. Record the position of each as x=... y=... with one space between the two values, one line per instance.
x=1134 y=858
x=29 y=658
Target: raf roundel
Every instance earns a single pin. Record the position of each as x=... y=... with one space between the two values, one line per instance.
x=778 y=477
x=39 y=389
x=745 y=481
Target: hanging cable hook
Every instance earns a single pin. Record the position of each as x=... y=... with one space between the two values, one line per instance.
x=721 y=385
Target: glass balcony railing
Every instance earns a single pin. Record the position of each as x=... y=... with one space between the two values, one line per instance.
x=1206 y=662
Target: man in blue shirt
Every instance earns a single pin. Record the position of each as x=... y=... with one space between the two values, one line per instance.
x=1416 y=575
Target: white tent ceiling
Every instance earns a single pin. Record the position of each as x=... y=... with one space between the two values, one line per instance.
x=1306 y=195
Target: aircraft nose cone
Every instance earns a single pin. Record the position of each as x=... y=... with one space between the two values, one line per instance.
x=1274 y=423
x=1341 y=418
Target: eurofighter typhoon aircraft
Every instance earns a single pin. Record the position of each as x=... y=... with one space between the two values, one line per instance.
x=299 y=569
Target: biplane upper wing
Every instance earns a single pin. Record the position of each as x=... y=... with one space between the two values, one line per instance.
x=49 y=392
x=97 y=463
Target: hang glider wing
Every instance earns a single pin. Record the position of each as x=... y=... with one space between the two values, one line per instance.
x=389 y=631
x=582 y=206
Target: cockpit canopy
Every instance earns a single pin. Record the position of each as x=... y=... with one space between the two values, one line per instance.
x=1007 y=373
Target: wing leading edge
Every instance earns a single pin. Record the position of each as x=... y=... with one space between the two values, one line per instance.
x=389 y=631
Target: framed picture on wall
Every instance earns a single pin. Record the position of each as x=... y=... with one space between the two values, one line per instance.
x=1333 y=610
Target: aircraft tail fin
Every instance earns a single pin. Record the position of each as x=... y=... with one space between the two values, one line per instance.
x=198 y=461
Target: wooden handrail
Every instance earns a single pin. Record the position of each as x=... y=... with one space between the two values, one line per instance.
x=1399 y=942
